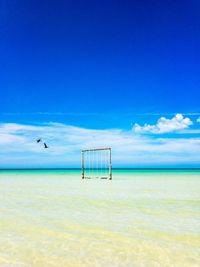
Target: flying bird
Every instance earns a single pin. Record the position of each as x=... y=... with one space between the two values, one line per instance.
x=39 y=140
x=45 y=145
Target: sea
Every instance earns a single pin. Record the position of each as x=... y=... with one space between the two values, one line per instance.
x=142 y=217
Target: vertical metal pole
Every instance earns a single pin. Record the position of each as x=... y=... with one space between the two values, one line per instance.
x=101 y=163
x=82 y=159
x=88 y=164
x=110 y=166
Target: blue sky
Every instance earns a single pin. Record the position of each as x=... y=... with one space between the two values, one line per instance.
x=100 y=66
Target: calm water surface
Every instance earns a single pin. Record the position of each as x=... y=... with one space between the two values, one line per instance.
x=140 y=218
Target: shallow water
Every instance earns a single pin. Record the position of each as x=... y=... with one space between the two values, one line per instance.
x=140 y=218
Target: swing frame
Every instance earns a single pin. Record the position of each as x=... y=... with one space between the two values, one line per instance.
x=96 y=150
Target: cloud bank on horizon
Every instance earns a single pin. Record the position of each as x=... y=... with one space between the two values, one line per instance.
x=148 y=145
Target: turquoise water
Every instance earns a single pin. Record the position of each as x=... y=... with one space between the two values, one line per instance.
x=140 y=218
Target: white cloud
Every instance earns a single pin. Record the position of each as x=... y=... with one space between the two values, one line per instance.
x=18 y=147
x=163 y=125
x=198 y=120
x=168 y=114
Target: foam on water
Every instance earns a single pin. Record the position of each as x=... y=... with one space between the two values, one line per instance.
x=140 y=218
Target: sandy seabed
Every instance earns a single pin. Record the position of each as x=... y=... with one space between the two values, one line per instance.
x=55 y=219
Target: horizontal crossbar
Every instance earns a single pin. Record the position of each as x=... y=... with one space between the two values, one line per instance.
x=96 y=149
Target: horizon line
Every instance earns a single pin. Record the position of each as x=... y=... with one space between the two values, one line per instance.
x=119 y=168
